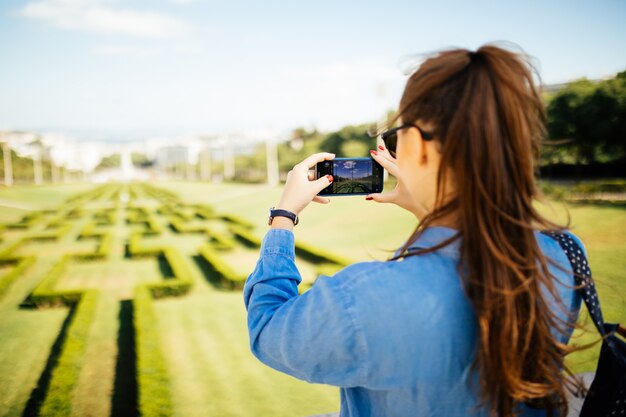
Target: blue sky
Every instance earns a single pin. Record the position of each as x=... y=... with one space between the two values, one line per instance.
x=213 y=65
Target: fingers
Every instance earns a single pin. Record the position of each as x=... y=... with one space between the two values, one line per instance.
x=321 y=200
x=314 y=159
x=320 y=184
x=389 y=197
x=387 y=161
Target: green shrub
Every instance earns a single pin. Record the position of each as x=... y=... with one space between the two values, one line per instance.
x=227 y=275
x=88 y=230
x=153 y=227
x=246 y=236
x=220 y=241
x=327 y=269
x=553 y=191
x=27 y=221
x=74 y=214
x=231 y=218
x=7 y=253
x=183 y=278
x=44 y=294
x=19 y=266
x=102 y=251
x=590 y=188
x=60 y=394
x=135 y=247
x=315 y=254
x=204 y=211
x=50 y=234
x=105 y=217
x=180 y=226
x=153 y=380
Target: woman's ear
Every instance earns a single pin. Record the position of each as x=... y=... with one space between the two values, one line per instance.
x=424 y=160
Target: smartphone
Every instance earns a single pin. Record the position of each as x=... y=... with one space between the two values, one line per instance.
x=351 y=176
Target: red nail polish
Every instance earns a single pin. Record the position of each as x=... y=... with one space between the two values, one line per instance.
x=330 y=178
x=381 y=147
x=369 y=198
x=374 y=152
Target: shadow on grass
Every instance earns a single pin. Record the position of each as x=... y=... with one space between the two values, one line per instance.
x=124 y=399
x=164 y=268
x=38 y=394
x=127 y=254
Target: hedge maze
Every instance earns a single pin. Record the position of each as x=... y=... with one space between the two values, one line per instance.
x=83 y=254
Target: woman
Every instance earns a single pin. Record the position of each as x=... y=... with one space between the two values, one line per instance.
x=473 y=313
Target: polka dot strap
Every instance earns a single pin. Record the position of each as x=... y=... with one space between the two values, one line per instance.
x=582 y=275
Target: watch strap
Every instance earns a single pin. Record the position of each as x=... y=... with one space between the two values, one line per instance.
x=282 y=213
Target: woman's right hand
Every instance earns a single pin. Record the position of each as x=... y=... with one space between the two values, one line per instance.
x=399 y=195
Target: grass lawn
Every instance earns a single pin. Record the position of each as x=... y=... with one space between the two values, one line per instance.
x=204 y=335
x=364 y=230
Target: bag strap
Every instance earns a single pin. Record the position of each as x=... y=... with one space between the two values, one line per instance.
x=582 y=276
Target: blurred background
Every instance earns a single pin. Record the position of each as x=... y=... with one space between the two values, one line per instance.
x=142 y=142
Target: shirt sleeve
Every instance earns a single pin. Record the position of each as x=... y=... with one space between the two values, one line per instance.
x=313 y=336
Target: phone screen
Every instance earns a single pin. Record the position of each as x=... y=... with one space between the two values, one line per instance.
x=352 y=176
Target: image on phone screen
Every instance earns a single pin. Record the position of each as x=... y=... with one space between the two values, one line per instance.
x=352 y=176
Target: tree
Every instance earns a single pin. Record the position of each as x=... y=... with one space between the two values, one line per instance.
x=353 y=141
x=591 y=116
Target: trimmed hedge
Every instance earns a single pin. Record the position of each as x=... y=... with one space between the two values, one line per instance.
x=231 y=218
x=315 y=254
x=220 y=241
x=227 y=275
x=204 y=212
x=246 y=236
x=60 y=394
x=180 y=226
x=105 y=217
x=74 y=214
x=153 y=227
x=44 y=294
x=27 y=221
x=153 y=380
x=102 y=251
x=327 y=269
x=7 y=253
x=19 y=266
x=51 y=234
x=182 y=273
x=183 y=278
x=135 y=247
x=88 y=231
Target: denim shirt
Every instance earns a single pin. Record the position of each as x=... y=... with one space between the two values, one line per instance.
x=397 y=337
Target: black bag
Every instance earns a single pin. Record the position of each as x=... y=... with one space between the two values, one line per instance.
x=607 y=394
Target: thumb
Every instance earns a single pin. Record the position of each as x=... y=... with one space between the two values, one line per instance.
x=389 y=197
x=321 y=183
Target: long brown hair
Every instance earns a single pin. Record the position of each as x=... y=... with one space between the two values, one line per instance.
x=490 y=119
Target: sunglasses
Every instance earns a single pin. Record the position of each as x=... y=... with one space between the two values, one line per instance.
x=390 y=137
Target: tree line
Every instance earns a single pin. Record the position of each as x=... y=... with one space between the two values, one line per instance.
x=586 y=137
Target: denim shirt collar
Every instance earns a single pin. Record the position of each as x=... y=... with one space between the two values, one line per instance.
x=432 y=236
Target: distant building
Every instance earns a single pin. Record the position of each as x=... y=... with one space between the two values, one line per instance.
x=172 y=156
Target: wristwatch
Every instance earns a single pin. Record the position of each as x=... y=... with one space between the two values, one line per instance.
x=282 y=213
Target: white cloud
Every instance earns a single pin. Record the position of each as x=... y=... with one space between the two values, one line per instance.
x=125 y=50
x=331 y=95
x=96 y=16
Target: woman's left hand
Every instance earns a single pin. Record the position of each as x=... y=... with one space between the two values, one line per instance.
x=300 y=190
